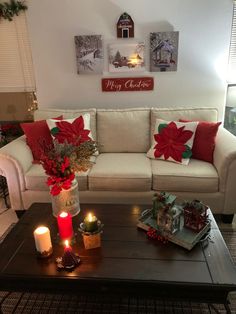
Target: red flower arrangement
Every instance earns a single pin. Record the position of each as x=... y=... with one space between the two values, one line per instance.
x=59 y=172
x=62 y=160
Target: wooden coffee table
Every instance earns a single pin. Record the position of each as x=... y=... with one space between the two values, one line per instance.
x=127 y=263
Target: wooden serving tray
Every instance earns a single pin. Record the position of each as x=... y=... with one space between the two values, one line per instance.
x=183 y=237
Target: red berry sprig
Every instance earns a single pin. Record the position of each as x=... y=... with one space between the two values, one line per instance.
x=155 y=235
x=152 y=233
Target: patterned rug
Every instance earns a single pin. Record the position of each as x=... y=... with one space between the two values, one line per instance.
x=17 y=302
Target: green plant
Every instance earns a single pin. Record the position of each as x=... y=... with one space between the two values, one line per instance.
x=9 y=9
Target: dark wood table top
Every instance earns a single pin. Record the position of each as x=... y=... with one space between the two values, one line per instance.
x=127 y=262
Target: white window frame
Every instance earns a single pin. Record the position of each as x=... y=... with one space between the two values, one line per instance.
x=16 y=65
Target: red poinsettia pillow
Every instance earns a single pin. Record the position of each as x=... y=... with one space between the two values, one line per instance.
x=173 y=141
x=75 y=131
x=37 y=136
x=204 y=141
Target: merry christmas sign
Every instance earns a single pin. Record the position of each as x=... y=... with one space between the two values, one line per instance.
x=127 y=84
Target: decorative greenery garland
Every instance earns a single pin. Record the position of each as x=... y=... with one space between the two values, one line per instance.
x=8 y=10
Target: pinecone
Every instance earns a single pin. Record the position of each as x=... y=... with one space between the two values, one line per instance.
x=69 y=260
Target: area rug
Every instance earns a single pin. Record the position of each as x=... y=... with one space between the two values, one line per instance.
x=17 y=302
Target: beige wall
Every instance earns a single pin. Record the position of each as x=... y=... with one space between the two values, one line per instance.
x=204 y=36
x=13 y=106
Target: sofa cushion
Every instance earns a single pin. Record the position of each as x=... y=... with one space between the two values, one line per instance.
x=35 y=179
x=198 y=176
x=123 y=130
x=173 y=141
x=74 y=131
x=37 y=136
x=204 y=140
x=172 y=114
x=121 y=172
x=68 y=114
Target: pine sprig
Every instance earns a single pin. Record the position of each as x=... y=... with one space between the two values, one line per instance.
x=80 y=156
x=9 y=9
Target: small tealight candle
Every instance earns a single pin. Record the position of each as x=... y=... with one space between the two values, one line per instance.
x=69 y=260
x=43 y=241
x=64 y=221
x=91 y=223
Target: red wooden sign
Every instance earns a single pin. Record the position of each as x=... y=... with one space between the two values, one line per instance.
x=127 y=84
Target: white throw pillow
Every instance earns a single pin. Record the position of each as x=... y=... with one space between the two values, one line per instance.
x=69 y=128
x=173 y=141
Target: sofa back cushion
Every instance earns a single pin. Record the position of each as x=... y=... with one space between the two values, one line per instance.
x=37 y=136
x=175 y=114
x=41 y=114
x=123 y=130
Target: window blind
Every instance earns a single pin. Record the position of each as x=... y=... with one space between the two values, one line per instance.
x=232 y=49
x=16 y=66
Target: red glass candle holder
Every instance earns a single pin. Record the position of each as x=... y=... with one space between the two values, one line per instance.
x=195 y=220
x=64 y=222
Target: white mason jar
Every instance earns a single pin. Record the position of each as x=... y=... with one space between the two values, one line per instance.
x=67 y=201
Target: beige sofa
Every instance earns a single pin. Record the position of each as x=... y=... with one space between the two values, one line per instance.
x=122 y=173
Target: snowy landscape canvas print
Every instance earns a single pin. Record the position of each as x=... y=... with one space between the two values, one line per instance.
x=89 y=54
x=164 y=51
x=126 y=57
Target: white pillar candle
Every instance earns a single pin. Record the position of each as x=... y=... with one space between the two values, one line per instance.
x=42 y=240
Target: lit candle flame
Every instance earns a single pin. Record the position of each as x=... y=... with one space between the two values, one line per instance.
x=90 y=217
x=67 y=243
x=41 y=230
x=63 y=214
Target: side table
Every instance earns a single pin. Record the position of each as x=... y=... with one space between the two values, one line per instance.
x=4 y=190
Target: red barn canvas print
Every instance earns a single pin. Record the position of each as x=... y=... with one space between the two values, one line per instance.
x=125 y=26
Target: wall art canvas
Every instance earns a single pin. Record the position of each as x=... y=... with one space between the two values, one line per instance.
x=89 y=54
x=164 y=51
x=128 y=57
x=125 y=26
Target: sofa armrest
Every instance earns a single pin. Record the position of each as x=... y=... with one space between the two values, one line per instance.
x=225 y=163
x=15 y=160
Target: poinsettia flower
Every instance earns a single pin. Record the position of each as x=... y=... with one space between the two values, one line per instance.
x=73 y=133
x=71 y=177
x=66 y=185
x=171 y=142
x=58 y=179
x=55 y=190
x=50 y=181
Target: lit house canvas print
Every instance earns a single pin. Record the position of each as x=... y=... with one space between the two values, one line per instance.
x=126 y=57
